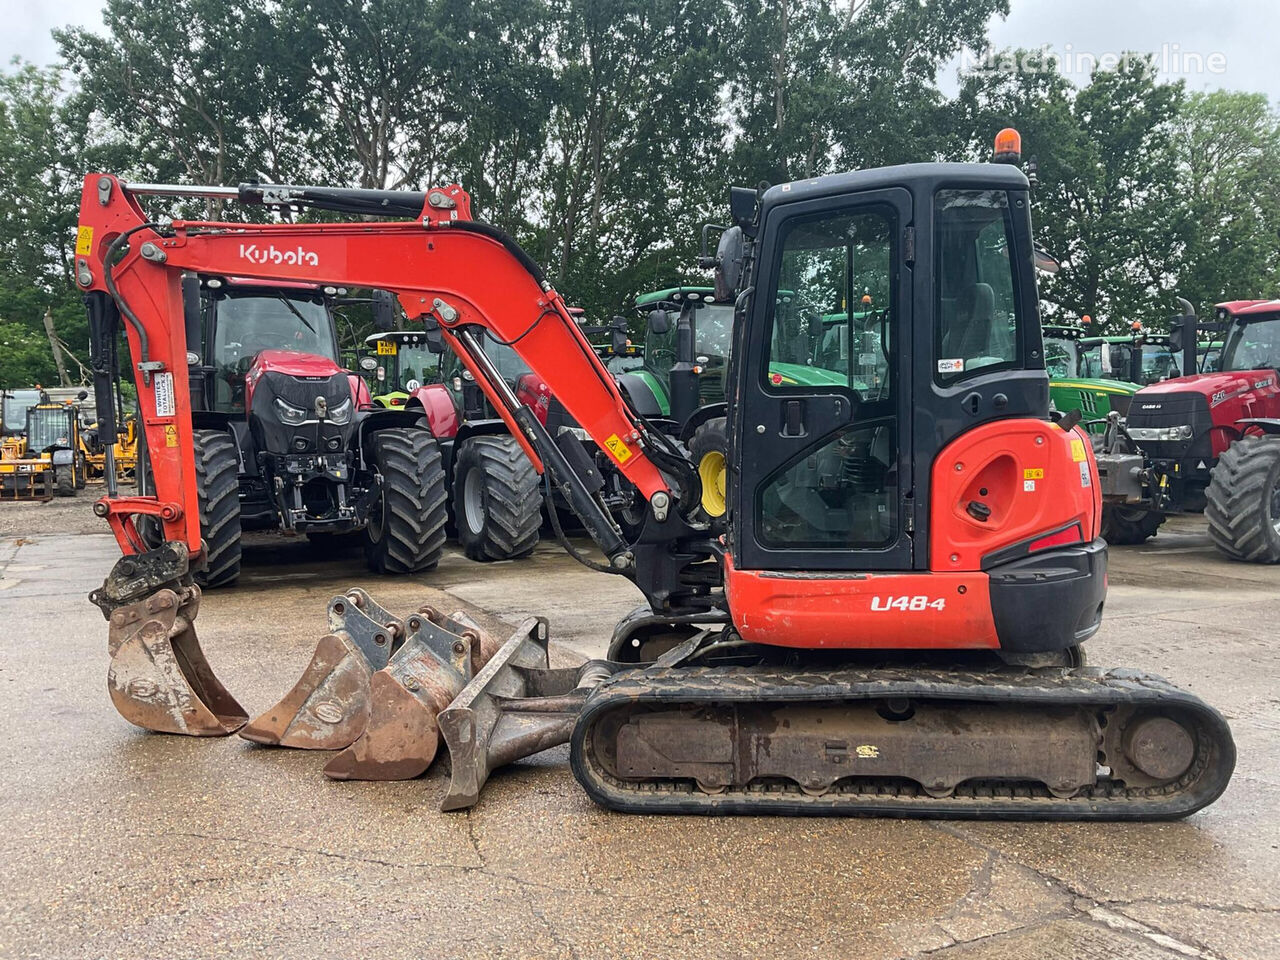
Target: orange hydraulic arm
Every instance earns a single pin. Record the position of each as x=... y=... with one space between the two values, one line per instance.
x=444 y=267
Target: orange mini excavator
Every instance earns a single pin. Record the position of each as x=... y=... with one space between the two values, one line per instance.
x=888 y=617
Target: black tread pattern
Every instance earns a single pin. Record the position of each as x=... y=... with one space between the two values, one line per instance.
x=410 y=537
x=1122 y=531
x=513 y=506
x=1238 y=500
x=218 y=484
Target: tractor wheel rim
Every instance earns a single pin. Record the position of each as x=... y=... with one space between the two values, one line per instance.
x=711 y=470
x=473 y=501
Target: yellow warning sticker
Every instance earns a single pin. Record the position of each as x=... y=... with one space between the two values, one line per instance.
x=868 y=751
x=84 y=241
x=1033 y=473
x=386 y=348
x=170 y=435
x=1077 y=450
x=621 y=452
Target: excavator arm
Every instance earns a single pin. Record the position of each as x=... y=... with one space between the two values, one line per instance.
x=447 y=270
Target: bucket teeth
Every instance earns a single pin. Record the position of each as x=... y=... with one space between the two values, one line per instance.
x=328 y=707
x=158 y=676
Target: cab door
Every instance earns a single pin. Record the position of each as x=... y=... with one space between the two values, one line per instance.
x=821 y=417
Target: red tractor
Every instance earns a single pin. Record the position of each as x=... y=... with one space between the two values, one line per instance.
x=1208 y=442
x=285 y=438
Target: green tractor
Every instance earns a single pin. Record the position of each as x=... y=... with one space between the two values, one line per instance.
x=1077 y=380
x=1097 y=376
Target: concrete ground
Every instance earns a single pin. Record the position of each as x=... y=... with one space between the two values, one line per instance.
x=117 y=843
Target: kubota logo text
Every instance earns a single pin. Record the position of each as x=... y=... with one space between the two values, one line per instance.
x=273 y=254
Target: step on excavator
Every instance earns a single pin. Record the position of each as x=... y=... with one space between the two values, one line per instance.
x=888 y=618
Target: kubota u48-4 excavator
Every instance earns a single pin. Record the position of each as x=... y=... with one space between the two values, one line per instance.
x=887 y=620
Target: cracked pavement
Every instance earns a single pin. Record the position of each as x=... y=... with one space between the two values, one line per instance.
x=118 y=843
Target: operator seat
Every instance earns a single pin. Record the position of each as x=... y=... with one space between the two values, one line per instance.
x=972 y=332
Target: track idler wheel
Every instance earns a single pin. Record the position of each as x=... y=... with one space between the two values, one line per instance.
x=158 y=676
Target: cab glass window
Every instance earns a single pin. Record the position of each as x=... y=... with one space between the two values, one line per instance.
x=833 y=309
x=978 y=328
x=1059 y=358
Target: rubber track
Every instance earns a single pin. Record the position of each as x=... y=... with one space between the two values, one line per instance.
x=1236 y=507
x=414 y=495
x=513 y=507
x=218 y=484
x=1092 y=687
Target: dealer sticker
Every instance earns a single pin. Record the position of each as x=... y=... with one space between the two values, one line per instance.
x=165 y=407
x=950 y=366
x=621 y=452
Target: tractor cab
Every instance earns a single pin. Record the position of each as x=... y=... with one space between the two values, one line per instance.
x=241 y=320
x=13 y=410
x=398 y=363
x=686 y=351
x=1252 y=335
x=1141 y=358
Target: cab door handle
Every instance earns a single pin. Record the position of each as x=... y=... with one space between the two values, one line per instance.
x=793 y=418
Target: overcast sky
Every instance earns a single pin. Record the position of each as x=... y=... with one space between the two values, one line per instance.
x=1242 y=32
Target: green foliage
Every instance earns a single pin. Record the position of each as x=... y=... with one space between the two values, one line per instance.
x=1145 y=193
x=603 y=133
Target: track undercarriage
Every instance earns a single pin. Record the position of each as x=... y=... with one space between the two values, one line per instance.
x=713 y=726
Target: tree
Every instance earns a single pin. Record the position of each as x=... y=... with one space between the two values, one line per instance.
x=204 y=91
x=1108 y=203
x=822 y=86
x=1229 y=152
x=41 y=147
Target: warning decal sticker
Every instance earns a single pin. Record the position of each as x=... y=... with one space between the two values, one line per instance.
x=621 y=452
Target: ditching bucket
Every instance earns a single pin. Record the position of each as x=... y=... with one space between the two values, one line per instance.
x=515 y=707
x=158 y=677
x=422 y=678
x=328 y=707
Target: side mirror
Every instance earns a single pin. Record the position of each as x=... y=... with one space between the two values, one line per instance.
x=659 y=322
x=385 y=313
x=729 y=256
x=618 y=334
x=368 y=364
x=435 y=340
x=82 y=395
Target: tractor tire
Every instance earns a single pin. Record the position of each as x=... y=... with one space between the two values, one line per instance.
x=405 y=532
x=1243 y=506
x=65 y=481
x=82 y=471
x=1128 y=526
x=496 y=501
x=218 y=487
x=709 y=448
